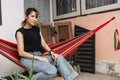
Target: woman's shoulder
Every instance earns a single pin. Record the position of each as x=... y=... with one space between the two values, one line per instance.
x=19 y=29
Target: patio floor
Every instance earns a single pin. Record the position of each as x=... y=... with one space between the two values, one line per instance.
x=89 y=76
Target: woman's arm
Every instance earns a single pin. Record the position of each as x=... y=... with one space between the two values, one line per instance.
x=46 y=47
x=44 y=44
x=22 y=53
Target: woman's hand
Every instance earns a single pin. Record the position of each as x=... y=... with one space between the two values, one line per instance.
x=43 y=59
x=54 y=56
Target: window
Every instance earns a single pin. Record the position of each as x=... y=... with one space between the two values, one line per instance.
x=98 y=3
x=91 y=6
x=71 y=8
x=66 y=8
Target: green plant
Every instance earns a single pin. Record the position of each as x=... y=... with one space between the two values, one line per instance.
x=19 y=76
x=2 y=78
x=31 y=70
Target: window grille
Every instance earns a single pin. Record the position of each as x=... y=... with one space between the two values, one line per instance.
x=70 y=8
x=66 y=8
x=98 y=3
x=93 y=6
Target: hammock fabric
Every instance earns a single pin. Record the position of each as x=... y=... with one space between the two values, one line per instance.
x=9 y=49
x=116 y=40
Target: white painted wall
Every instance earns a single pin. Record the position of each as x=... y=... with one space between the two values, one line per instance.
x=12 y=15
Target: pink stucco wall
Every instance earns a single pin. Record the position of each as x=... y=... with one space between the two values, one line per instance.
x=105 y=37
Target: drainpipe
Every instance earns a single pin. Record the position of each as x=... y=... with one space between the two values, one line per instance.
x=51 y=18
x=51 y=11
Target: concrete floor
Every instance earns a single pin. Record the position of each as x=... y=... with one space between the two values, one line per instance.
x=89 y=76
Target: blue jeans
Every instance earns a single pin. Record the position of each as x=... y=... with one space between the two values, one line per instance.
x=46 y=71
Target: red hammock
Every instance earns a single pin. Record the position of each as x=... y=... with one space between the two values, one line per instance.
x=9 y=49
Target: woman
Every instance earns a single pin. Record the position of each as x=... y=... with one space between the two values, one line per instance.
x=30 y=42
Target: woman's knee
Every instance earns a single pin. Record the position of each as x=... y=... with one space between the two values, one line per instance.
x=46 y=68
x=51 y=70
x=60 y=57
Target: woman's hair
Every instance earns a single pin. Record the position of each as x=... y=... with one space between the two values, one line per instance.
x=27 y=12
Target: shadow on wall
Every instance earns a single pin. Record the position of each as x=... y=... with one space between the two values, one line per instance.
x=108 y=67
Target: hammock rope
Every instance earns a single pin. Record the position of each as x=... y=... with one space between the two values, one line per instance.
x=9 y=49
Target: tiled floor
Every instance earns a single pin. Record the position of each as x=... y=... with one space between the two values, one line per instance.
x=88 y=76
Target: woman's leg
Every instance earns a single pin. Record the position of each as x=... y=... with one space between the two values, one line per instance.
x=65 y=69
x=42 y=76
x=44 y=71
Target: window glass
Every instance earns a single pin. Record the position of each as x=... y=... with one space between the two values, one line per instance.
x=65 y=6
x=98 y=3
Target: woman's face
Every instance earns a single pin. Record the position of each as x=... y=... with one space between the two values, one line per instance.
x=32 y=19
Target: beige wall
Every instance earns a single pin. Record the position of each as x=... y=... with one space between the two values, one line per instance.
x=12 y=15
x=104 y=37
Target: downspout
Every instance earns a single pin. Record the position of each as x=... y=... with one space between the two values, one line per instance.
x=51 y=11
x=51 y=18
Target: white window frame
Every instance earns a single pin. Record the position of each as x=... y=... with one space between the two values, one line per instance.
x=76 y=13
x=98 y=9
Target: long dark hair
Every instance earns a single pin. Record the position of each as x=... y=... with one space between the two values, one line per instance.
x=27 y=12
